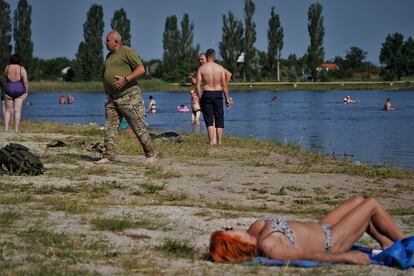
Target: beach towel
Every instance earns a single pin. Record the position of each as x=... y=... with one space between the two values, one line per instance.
x=400 y=255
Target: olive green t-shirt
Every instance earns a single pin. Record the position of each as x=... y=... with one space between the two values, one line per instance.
x=120 y=63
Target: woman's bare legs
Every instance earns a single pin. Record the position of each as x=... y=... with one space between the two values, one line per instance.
x=351 y=227
x=18 y=103
x=8 y=112
x=197 y=117
x=339 y=212
x=336 y=214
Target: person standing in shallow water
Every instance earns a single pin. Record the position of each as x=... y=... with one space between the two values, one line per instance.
x=16 y=91
x=195 y=99
x=121 y=70
x=387 y=105
x=152 y=107
x=211 y=81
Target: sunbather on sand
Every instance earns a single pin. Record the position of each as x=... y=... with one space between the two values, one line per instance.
x=328 y=240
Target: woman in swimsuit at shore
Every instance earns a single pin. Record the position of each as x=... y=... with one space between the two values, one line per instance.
x=17 y=89
x=328 y=240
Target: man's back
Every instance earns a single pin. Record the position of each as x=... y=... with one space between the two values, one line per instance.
x=212 y=76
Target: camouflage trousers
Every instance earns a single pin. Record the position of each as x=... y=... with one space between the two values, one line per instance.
x=131 y=107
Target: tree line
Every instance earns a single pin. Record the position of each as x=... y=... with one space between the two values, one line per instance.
x=236 y=48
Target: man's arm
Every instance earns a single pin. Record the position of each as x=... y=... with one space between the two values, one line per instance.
x=225 y=87
x=198 y=84
x=123 y=80
x=136 y=73
x=228 y=74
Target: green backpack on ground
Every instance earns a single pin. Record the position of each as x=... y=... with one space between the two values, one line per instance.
x=17 y=159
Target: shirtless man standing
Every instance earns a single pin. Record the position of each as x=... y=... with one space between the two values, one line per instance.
x=211 y=81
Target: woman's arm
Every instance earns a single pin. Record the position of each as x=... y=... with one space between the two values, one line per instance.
x=25 y=81
x=280 y=252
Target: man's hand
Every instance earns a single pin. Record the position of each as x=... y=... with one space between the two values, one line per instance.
x=357 y=258
x=229 y=102
x=120 y=82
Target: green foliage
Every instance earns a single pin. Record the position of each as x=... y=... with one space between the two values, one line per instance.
x=408 y=51
x=111 y=224
x=42 y=241
x=178 y=248
x=7 y=218
x=354 y=59
x=171 y=46
x=153 y=188
x=22 y=32
x=397 y=56
x=294 y=67
x=180 y=57
x=5 y=33
x=275 y=44
x=188 y=61
x=231 y=45
x=49 y=69
x=249 y=37
x=391 y=56
x=122 y=25
x=316 y=52
x=89 y=58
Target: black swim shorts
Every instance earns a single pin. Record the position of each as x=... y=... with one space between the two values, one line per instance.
x=212 y=107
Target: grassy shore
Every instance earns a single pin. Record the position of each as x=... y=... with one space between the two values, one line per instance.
x=159 y=85
x=126 y=218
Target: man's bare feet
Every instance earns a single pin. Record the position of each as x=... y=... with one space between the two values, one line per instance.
x=103 y=161
x=150 y=160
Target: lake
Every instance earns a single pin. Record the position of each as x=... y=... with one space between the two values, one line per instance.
x=319 y=121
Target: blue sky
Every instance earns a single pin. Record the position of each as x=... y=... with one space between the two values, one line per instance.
x=57 y=24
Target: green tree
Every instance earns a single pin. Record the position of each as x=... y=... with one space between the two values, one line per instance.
x=5 y=33
x=89 y=58
x=294 y=68
x=275 y=44
x=344 y=72
x=249 y=37
x=316 y=52
x=355 y=58
x=188 y=53
x=79 y=67
x=231 y=45
x=171 y=46
x=122 y=25
x=22 y=32
x=408 y=51
x=392 y=57
x=258 y=65
x=49 y=69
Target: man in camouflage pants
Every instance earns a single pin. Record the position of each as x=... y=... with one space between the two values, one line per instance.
x=121 y=70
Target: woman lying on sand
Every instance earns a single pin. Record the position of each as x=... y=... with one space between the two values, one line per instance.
x=328 y=240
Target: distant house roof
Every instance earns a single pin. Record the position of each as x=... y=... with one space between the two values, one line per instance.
x=328 y=66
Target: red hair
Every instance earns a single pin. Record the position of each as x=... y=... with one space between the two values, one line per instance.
x=226 y=249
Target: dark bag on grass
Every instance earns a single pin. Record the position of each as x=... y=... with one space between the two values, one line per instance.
x=17 y=159
x=169 y=135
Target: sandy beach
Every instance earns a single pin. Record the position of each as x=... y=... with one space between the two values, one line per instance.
x=125 y=218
